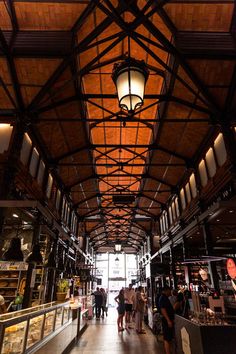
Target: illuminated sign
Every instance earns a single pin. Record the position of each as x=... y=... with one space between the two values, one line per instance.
x=231 y=268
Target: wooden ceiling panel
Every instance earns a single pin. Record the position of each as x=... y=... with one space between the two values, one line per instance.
x=160 y=24
x=5 y=20
x=4 y=72
x=94 y=19
x=201 y=17
x=35 y=71
x=220 y=95
x=213 y=72
x=47 y=16
x=179 y=111
x=184 y=135
x=5 y=101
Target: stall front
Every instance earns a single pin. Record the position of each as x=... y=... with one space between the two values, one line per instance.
x=194 y=337
x=45 y=328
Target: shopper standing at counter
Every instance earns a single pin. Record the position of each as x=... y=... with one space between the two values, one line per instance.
x=168 y=314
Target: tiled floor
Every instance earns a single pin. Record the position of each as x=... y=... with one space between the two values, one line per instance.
x=102 y=336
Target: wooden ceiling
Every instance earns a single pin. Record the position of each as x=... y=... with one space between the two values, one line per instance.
x=56 y=60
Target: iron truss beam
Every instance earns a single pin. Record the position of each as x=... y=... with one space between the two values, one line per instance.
x=57 y=44
x=150 y=147
x=89 y=96
x=131 y=164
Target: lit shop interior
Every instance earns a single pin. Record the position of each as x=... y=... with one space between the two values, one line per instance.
x=117 y=166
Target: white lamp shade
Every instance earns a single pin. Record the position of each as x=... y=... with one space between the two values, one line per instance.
x=5 y=136
x=130 y=87
x=130 y=77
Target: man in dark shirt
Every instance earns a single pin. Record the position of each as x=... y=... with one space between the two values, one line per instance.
x=168 y=315
x=98 y=302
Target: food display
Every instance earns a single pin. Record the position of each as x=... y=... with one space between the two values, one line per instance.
x=49 y=323
x=27 y=328
x=66 y=314
x=14 y=339
x=59 y=313
x=35 y=330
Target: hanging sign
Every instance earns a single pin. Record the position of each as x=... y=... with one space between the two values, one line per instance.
x=231 y=268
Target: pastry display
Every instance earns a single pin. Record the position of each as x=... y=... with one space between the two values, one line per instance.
x=14 y=339
x=34 y=332
x=3 y=284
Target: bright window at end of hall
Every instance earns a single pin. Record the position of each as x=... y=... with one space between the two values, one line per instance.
x=193 y=185
x=203 y=173
x=25 y=149
x=211 y=162
x=220 y=150
x=182 y=199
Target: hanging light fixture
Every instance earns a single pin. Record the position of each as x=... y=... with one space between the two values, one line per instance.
x=130 y=77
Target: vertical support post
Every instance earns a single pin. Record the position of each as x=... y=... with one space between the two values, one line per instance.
x=173 y=269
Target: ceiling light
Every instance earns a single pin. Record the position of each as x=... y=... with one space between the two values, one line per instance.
x=231 y=211
x=130 y=77
x=15 y=216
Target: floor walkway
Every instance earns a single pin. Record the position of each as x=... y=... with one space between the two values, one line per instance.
x=102 y=336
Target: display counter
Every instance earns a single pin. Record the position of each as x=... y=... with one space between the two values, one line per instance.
x=86 y=303
x=204 y=338
x=28 y=330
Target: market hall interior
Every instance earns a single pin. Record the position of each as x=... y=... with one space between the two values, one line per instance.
x=117 y=167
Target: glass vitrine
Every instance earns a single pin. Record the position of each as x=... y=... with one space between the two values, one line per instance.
x=23 y=331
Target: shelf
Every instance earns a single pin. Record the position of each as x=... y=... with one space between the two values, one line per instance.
x=9 y=278
x=9 y=296
x=9 y=287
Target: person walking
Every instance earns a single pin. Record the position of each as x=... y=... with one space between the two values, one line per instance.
x=120 y=299
x=140 y=301
x=168 y=314
x=129 y=301
x=98 y=302
x=104 y=302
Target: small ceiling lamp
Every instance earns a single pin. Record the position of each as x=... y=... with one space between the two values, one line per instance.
x=130 y=77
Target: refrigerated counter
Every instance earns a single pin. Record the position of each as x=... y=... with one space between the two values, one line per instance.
x=29 y=330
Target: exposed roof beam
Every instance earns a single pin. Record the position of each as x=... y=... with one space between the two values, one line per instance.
x=131 y=164
x=57 y=44
x=120 y=146
x=89 y=96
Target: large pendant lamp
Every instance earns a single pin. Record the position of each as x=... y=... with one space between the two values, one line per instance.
x=130 y=77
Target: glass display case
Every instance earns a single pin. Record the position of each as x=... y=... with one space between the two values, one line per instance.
x=27 y=330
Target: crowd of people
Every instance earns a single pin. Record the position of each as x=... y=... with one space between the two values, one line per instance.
x=130 y=306
x=100 y=299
